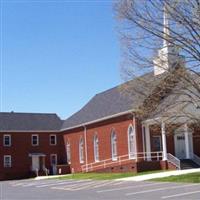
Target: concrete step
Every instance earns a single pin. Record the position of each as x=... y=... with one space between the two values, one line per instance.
x=188 y=164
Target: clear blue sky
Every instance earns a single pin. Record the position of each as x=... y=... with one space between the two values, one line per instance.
x=56 y=56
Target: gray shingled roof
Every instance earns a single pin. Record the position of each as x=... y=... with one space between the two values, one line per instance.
x=29 y=122
x=113 y=101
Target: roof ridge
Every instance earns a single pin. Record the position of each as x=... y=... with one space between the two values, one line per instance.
x=33 y=113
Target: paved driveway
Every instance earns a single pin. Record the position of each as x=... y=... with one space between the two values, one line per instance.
x=101 y=190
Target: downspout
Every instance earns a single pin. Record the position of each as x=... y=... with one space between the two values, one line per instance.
x=85 y=142
x=135 y=131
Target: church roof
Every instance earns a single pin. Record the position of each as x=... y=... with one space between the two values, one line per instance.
x=114 y=101
x=11 y=121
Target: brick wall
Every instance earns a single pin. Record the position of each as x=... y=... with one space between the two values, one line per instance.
x=196 y=141
x=103 y=131
x=20 y=149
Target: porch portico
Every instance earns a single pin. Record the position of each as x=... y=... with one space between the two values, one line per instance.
x=37 y=162
x=175 y=145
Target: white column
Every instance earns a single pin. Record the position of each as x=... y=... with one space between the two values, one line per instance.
x=187 y=145
x=143 y=142
x=164 y=142
x=148 y=142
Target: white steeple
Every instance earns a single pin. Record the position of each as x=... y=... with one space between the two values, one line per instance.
x=168 y=55
x=166 y=31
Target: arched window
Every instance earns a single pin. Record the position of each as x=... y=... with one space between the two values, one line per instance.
x=68 y=153
x=96 y=148
x=131 y=142
x=81 y=153
x=114 y=145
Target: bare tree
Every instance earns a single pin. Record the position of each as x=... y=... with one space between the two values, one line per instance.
x=163 y=35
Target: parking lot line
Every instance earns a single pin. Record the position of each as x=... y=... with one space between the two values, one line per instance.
x=130 y=187
x=93 y=185
x=80 y=186
x=23 y=183
x=76 y=184
x=160 y=189
x=102 y=184
x=38 y=183
x=85 y=186
x=181 y=194
x=34 y=183
x=60 y=183
x=46 y=184
x=118 y=182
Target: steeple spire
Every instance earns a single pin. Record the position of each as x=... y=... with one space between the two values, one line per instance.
x=168 y=55
x=166 y=32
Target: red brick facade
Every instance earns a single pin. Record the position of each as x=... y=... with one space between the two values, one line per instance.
x=21 y=147
x=103 y=130
x=196 y=142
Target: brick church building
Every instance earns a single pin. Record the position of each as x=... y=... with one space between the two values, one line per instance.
x=106 y=135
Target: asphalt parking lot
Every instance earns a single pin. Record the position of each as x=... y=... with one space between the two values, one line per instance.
x=96 y=190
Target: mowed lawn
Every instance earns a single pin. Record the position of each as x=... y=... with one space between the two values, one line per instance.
x=186 y=178
x=105 y=176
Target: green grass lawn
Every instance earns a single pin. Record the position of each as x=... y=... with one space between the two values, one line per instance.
x=186 y=178
x=105 y=176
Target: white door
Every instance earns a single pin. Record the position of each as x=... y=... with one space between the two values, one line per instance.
x=180 y=146
x=35 y=163
x=53 y=158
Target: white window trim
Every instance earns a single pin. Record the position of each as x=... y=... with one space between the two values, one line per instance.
x=114 y=157
x=10 y=142
x=55 y=136
x=129 y=153
x=4 y=161
x=51 y=155
x=94 y=145
x=68 y=150
x=33 y=135
x=81 y=154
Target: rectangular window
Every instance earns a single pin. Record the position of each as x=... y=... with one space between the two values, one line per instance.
x=53 y=140
x=7 y=161
x=114 y=146
x=35 y=140
x=96 y=149
x=81 y=149
x=53 y=158
x=7 y=140
x=156 y=143
x=68 y=153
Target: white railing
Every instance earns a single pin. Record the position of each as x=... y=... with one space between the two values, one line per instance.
x=174 y=160
x=122 y=159
x=196 y=159
x=154 y=155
